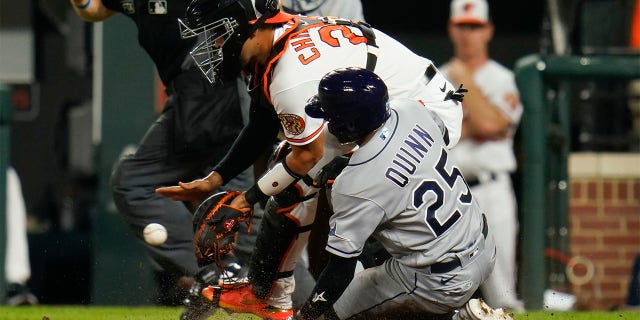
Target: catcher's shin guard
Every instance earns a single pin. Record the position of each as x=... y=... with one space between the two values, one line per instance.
x=278 y=233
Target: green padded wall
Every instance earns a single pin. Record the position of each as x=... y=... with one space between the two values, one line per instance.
x=121 y=270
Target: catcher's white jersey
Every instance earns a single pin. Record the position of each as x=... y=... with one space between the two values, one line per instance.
x=317 y=49
x=402 y=187
x=477 y=157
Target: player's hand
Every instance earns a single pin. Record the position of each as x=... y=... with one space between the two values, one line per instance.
x=459 y=73
x=327 y=175
x=195 y=190
x=240 y=202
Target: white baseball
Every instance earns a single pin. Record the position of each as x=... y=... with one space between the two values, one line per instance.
x=155 y=234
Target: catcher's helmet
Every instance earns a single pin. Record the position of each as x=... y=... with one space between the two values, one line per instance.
x=353 y=100
x=222 y=27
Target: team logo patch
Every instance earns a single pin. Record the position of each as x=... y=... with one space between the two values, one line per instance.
x=384 y=133
x=128 y=7
x=228 y=225
x=332 y=232
x=468 y=7
x=318 y=297
x=157 y=7
x=293 y=123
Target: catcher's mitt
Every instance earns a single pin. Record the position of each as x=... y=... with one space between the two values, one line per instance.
x=215 y=225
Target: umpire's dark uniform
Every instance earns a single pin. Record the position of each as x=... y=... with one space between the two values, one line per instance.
x=196 y=128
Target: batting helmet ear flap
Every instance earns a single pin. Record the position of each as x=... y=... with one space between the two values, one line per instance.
x=314 y=108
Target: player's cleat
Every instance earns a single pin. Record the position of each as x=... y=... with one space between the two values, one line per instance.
x=477 y=309
x=20 y=295
x=242 y=300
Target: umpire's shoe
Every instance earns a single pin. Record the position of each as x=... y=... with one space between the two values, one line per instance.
x=202 y=300
x=19 y=295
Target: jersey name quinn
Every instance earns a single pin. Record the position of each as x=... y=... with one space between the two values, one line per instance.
x=406 y=160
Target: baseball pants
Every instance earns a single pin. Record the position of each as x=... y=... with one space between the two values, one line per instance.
x=395 y=291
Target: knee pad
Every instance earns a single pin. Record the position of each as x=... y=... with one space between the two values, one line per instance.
x=278 y=233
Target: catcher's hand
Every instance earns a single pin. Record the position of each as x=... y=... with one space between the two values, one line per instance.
x=195 y=190
x=215 y=225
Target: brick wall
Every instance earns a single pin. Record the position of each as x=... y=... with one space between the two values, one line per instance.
x=604 y=221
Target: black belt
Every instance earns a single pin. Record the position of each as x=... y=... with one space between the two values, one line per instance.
x=444 y=267
x=474 y=181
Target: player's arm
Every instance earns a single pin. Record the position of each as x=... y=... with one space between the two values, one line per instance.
x=482 y=119
x=303 y=158
x=285 y=173
x=254 y=139
x=91 y=10
x=305 y=153
x=333 y=281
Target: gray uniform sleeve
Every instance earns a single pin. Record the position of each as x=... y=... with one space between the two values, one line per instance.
x=353 y=221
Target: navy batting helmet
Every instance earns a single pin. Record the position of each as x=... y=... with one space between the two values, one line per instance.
x=222 y=27
x=354 y=101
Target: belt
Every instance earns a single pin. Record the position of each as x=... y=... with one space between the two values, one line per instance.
x=444 y=267
x=474 y=181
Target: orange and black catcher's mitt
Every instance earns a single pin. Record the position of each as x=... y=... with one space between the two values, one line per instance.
x=215 y=226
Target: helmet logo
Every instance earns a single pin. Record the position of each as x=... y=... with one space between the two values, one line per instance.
x=293 y=123
x=128 y=7
x=468 y=7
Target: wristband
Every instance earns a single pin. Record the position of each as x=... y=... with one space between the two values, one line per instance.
x=271 y=183
x=83 y=6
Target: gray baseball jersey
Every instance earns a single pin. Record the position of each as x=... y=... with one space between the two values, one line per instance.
x=404 y=189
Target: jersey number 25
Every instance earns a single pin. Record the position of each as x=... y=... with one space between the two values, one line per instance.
x=436 y=188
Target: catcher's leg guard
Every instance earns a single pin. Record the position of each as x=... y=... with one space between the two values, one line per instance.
x=278 y=234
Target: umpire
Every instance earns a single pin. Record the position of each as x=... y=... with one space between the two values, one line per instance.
x=198 y=124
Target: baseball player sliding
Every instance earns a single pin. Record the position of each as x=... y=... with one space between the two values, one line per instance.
x=400 y=186
x=287 y=56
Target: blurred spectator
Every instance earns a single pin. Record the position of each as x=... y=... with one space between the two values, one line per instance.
x=492 y=111
x=17 y=265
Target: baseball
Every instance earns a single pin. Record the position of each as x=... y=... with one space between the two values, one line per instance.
x=155 y=234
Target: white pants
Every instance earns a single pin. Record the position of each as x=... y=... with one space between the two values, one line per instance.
x=497 y=200
x=17 y=266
